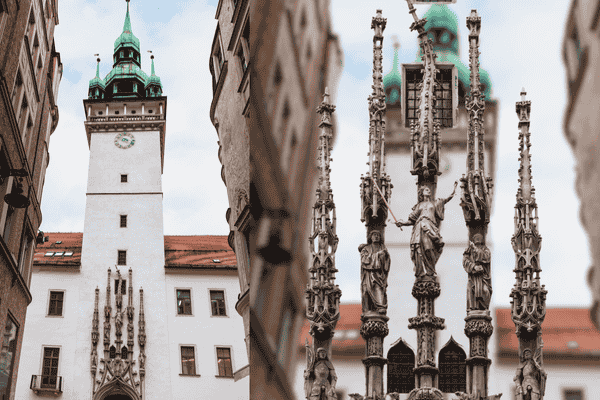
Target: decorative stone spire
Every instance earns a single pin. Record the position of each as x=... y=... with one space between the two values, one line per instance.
x=323 y=295
x=119 y=311
x=95 y=336
x=375 y=196
x=476 y=203
x=528 y=304
x=107 y=312
x=127 y=24
x=130 y=315
x=142 y=336
x=425 y=136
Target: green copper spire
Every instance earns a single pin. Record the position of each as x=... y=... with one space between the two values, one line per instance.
x=98 y=68
x=393 y=79
x=127 y=24
x=152 y=69
x=127 y=38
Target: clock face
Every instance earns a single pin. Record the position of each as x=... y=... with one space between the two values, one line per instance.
x=124 y=140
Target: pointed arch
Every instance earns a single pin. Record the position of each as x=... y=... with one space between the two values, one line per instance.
x=114 y=388
x=400 y=368
x=453 y=368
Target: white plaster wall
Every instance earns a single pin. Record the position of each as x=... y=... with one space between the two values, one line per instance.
x=571 y=375
x=206 y=332
x=141 y=162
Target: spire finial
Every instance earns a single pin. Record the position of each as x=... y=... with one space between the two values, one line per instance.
x=395 y=42
x=523 y=93
x=127 y=24
x=97 y=65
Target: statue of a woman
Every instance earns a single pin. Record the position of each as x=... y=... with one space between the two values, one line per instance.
x=375 y=267
x=426 y=243
x=476 y=261
x=320 y=378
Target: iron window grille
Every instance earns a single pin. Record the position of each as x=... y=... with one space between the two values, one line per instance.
x=123 y=178
x=50 y=369
x=56 y=303
x=123 y=221
x=184 y=302
x=122 y=257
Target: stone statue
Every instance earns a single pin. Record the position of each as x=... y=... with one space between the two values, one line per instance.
x=118 y=321
x=426 y=243
x=319 y=377
x=94 y=359
x=530 y=378
x=375 y=267
x=119 y=296
x=130 y=331
x=142 y=360
x=476 y=261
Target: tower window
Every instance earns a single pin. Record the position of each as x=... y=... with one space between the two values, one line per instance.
x=56 y=303
x=224 y=362
x=573 y=394
x=122 y=257
x=217 y=303
x=123 y=221
x=123 y=178
x=184 y=302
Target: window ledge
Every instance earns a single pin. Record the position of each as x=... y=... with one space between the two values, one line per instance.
x=219 y=316
x=55 y=316
x=225 y=377
x=184 y=315
x=195 y=376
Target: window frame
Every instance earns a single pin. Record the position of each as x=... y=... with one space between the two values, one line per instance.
x=570 y=390
x=124 y=253
x=210 y=300
x=230 y=348
x=191 y=306
x=48 y=305
x=123 y=221
x=126 y=177
x=193 y=347
x=48 y=346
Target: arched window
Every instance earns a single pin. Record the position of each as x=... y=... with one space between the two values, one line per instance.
x=400 y=366
x=124 y=353
x=113 y=352
x=453 y=369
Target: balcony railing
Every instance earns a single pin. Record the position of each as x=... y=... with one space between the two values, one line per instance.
x=46 y=384
x=120 y=118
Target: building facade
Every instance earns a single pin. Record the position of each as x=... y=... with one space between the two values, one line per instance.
x=229 y=66
x=294 y=58
x=582 y=125
x=30 y=74
x=126 y=312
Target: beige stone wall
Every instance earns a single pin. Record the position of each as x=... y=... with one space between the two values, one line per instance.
x=581 y=52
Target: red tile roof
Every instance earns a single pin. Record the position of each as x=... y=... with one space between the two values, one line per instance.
x=59 y=242
x=211 y=252
x=565 y=332
x=202 y=252
x=347 y=337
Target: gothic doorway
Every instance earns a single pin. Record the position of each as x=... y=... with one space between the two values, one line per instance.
x=118 y=397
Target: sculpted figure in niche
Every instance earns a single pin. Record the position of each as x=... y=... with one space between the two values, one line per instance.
x=375 y=267
x=476 y=261
x=320 y=378
x=426 y=243
x=530 y=378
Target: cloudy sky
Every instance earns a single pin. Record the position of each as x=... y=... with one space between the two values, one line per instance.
x=520 y=46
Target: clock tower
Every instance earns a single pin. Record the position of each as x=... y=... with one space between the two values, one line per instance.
x=125 y=126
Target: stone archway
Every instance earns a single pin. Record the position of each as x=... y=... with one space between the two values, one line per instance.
x=116 y=390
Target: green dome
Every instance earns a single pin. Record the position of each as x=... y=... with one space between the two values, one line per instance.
x=127 y=38
x=393 y=78
x=440 y=16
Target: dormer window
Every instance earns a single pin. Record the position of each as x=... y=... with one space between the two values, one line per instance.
x=121 y=54
x=130 y=53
